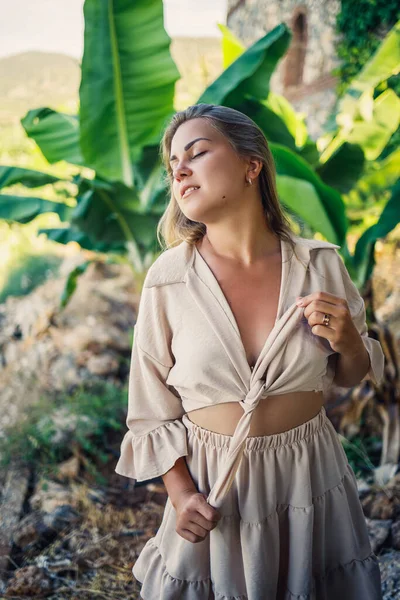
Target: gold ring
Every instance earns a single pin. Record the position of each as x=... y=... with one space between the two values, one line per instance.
x=326 y=319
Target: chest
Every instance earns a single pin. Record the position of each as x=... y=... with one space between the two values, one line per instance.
x=253 y=297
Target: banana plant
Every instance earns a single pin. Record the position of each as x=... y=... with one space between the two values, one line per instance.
x=126 y=97
x=129 y=181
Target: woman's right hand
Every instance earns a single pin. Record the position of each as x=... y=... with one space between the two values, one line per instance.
x=195 y=517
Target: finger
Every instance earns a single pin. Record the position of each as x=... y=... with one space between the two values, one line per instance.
x=322 y=296
x=197 y=529
x=323 y=331
x=323 y=307
x=188 y=535
x=208 y=512
x=203 y=522
x=317 y=318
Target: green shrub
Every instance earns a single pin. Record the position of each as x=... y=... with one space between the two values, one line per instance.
x=91 y=414
x=27 y=273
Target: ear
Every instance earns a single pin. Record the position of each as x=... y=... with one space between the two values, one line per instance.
x=254 y=166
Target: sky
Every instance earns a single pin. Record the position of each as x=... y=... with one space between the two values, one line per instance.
x=57 y=25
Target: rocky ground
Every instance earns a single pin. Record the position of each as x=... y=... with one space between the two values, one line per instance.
x=65 y=536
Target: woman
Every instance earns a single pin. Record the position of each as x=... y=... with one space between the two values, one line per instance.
x=227 y=379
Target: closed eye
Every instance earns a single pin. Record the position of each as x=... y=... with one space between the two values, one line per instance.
x=200 y=153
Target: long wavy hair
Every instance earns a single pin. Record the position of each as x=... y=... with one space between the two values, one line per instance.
x=247 y=139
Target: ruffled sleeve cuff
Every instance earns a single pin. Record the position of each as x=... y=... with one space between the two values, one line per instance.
x=376 y=360
x=152 y=454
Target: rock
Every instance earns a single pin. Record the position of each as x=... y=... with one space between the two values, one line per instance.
x=381 y=505
x=14 y=491
x=30 y=581
x=104 y=364
x=396 y=535
x=363 y=488
x=39 y=529
x=384 y=473
x=378 y=531
x=61 y=518
x=31 y=532
x=389 y=563
x=62 y=423
x=45 y=348
x=68 y=469
x=49 y=495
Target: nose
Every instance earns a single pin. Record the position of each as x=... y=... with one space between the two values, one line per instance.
x=180 y=171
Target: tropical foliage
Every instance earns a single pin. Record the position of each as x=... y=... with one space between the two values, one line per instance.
x=126 y=98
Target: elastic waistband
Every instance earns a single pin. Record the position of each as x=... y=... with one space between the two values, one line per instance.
x=285 y=438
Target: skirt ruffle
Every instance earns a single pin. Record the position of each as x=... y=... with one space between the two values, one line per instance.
x=356 y=578
x=292 y=525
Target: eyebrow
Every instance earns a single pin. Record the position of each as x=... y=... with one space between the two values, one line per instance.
x=190 y=144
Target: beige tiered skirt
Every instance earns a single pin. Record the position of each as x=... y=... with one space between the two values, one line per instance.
x=292 y=525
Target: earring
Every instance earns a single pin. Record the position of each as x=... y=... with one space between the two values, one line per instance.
x=249 y=181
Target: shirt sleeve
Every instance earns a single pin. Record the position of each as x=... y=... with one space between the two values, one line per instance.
x=156 y=436
x=358 y=315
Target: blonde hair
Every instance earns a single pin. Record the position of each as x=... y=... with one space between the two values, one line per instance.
x=247 y=139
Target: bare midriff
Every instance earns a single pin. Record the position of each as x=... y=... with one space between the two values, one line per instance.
x=273 y=414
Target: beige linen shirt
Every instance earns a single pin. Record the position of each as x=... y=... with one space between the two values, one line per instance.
x=188 y=353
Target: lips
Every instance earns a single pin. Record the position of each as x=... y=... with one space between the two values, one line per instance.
x=187 y=187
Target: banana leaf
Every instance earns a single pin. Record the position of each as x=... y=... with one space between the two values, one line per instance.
x=24 y=209
x=56 y=134
x=290 y=164
x=250 y=74
x=65 y=235
x=113 y=214
x=361 y=120
x=232 y=47
x=381 y=175
x=27 y=177
x=364 y=259
x=127 y=87
x=302 y=199
x=344 y=168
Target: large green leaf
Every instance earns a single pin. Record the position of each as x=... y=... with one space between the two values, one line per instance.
x=28 y=177
x=294 y=121
x=358 y=140
x=232 y=47
x=275 y=115
x=288 y=163
x=56 y=134
x=301 y=198
x=23 y=209
x=249 y=75
x=65 y=235
x=372 y=135
x=150 y=179
x=344 y=168
x=362 y=120
x=364 y=259
x=113 y=214
x=381 y=175
x=274 y=128
x=127 y=87
x=275 y=125
x=382 y=65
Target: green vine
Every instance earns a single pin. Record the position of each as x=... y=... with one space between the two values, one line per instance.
x=362 y=25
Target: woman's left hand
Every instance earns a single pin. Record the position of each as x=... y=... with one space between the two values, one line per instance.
x=341 y=332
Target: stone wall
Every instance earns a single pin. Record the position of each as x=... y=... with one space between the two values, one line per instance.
x=304 y=75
